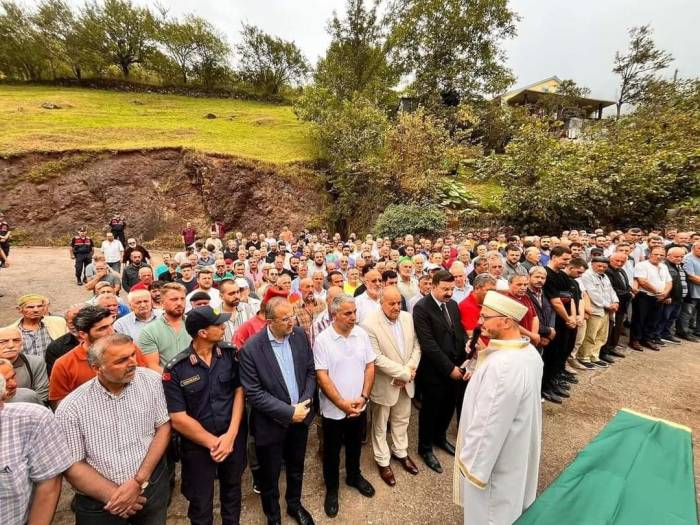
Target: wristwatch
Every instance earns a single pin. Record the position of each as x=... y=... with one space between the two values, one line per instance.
x=143 y=485
x=365 y=398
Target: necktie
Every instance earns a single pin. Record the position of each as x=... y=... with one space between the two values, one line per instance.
x=443 y=307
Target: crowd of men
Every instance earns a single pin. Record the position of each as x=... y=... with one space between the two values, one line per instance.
x=221 y=356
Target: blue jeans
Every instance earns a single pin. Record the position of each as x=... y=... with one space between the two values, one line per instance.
x=669 y=315
x=687 y=322
x=89 y=511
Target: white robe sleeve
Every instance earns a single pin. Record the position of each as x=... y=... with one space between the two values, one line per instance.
x=490 y=422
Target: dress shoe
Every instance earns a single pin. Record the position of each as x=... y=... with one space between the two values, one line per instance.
x=407 y=464
x=363 y=486
x=330 y=504
x=560 y=383
x=615 y=353
x=551 y=397
x=607 y=358
x=671 y=340
x=554 y=389
x=650 y=346
x=301 y=516
x=688 y=337
x=447 y=447
x=431 y=461
x=634 y=345
x=571 y=380
x=600 y=364
x=387 y=475
x=587 y=365
x=658 y=342
x=566 y=374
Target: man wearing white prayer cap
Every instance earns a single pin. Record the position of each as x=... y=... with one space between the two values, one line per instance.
x=499 y=438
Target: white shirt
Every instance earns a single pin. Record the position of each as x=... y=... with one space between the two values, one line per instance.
x=412 y=302
x=502 y=285
x=395 y=327
x=657 y=275
x=365 y=306
x=345 y=359
x=214 y=298
x=112 y=250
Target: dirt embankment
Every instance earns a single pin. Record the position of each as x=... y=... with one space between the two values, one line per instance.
x=46 y=196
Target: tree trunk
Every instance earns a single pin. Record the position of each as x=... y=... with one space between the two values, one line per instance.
x=618 y=105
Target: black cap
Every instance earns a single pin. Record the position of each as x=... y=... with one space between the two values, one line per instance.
x=600 y=259
x=203 y=317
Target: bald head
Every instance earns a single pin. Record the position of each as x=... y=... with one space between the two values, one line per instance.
x=675 y=255
x=390 y=301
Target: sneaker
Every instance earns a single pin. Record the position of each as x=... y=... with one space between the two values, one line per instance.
x=586 y=365
x=608 y=359
x=570 y=370
x=671 y=340
x=689 y=337
x=600 y=364
x=576 y=364
x=658 y=342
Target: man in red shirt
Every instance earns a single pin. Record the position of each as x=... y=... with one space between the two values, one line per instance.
x=530 y=323
x=72 y=369
x=145 y=279
x=470 y=308
x=189 y=235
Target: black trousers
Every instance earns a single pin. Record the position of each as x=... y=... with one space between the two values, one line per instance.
x=81 y=262
x=646 y=315
x=438 y=403
x=291 y=450
x=89 y=511
x=5 y=245
x=615 y=327
x=198 y=473
x=336 y=433
x=119 y=234
x=556 y=353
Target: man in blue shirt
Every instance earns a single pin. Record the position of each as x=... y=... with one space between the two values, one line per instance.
x=277 y=372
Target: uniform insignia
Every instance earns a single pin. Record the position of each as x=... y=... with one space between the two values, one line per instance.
x=218 y=351
x=190 y=380
x=166 y=376
x=193 y=359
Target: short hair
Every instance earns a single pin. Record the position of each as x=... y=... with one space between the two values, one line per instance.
x=389 y=274
x=97 y=349
x=205 y=269
x=536 y=269
x=272 y=305
x=442 y=276
x=512 y=248
x=340 y=300
x=577 y=262
x=483 y=279
x=172 y=287
x=577 y=244
x=183 y=266
x=5 y=362
x=425 y=277
x=558 y=251
x=104 y=296
x=334 y=272
x=145 y=269
x=89 y=316
x=137 y=293
x=3 y=390
x=513 y=276
x=156 y=285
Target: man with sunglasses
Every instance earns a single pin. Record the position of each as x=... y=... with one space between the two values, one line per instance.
x=500 y=431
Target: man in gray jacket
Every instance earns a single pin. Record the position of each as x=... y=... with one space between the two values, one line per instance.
x=30 y=370
x=604 y=302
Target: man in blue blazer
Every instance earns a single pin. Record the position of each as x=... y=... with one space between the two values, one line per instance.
x=279 y=379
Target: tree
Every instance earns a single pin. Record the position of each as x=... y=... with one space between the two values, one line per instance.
x=564 y=102
x=268 y=62
x=22 y=54
x=124 y=34
x=53 y=21
x=403 y=219
x=639 y=66
x=452 y=48
x=189 y=42
x=356 y=61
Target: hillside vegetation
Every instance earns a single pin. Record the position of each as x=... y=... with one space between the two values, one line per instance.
x=90 y=119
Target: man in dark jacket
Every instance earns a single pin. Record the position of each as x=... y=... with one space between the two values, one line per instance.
x=620 y=283
x=679 y=293
x=130 y=275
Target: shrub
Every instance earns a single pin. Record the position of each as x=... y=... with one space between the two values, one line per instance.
x=401 y=219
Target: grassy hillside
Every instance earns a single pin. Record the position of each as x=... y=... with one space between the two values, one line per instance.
x=94 y=119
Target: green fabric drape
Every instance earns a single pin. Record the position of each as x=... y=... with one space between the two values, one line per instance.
x=637 y=471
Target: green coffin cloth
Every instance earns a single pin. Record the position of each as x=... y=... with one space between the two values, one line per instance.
x=637 y=471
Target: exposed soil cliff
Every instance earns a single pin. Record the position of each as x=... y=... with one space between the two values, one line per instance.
x=46 y=196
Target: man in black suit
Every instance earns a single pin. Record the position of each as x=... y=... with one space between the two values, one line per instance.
x=443 y=342
x=279 y=379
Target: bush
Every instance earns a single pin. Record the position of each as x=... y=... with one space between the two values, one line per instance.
x=401 y=219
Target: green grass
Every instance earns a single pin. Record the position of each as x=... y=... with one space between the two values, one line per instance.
x=97 y=120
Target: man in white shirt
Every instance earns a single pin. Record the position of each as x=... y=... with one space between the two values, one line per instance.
x=141 y=314
x=344 y=362
x=604 y=302
x=408 y=284
x=462 y=287
x=205 y=283
x=655 y=285
x=368 y=301
x=113 y=251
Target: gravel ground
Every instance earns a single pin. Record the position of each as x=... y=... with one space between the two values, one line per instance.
x=662 y=384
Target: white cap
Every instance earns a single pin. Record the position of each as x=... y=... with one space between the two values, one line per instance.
x=504 y=305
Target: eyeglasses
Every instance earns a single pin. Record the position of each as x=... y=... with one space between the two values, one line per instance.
x=483 y=317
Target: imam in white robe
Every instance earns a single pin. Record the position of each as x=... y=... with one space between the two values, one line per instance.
x=500 y=434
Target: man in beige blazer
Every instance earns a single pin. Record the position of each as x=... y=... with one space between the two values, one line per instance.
x=398 y=353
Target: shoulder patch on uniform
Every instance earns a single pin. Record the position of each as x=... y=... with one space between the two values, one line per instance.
x=227 y=346
x=167 y=376
x=175 y=360
x=190 y=380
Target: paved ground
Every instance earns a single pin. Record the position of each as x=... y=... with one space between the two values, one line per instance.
x=662 y=384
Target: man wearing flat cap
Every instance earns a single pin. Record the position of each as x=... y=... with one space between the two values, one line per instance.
x=38 y=329
x=206 y=405
x=499 y=439
x=604 y=303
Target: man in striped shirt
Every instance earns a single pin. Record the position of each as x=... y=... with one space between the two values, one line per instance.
x=117 y=427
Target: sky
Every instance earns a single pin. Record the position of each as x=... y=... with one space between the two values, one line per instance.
x=569 y=39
